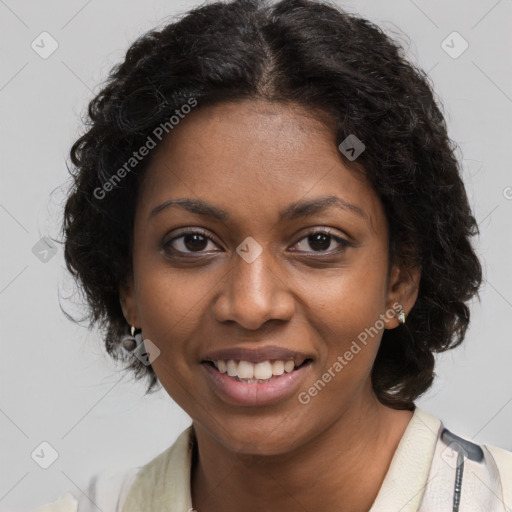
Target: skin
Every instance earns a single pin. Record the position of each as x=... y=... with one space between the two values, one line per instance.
x=253 y=158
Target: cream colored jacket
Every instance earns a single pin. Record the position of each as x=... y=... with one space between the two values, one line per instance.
x=432 y=470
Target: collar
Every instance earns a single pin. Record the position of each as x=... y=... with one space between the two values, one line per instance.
x=163 y=485
x=407 y=476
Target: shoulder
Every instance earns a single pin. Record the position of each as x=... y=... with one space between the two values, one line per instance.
x=469 y=473
x=109 y=490
x=66 y=503
x=105 y=491
x=166 y=478
x=503 y=460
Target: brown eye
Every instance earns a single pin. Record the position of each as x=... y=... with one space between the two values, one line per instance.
x=321 y=241
x=188 y=242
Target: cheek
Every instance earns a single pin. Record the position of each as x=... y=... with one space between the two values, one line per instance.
x=170 y=300
x=169 y=319
x=171 y=305
x=346 y=308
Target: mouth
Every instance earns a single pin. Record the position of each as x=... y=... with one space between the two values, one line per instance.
x=256 y=377
x=257 y=373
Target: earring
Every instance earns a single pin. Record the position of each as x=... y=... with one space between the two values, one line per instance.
x=132 y=340
x=401 y=316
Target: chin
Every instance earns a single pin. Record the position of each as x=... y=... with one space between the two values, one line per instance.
x=275 y=437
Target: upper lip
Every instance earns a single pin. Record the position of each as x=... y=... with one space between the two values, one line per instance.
x=257 y=355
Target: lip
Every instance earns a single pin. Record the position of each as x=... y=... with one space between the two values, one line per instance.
x=240 y=393
x=257 y=355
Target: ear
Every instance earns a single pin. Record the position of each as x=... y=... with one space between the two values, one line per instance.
x=128 y=302
x=403 y=289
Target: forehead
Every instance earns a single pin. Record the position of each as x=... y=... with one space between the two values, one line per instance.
x=251 y=157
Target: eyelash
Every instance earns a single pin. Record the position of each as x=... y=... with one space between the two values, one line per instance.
x=196 y=231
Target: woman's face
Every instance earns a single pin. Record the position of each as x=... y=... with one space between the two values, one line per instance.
x=255 y=283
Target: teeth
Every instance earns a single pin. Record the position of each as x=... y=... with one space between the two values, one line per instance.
x=262 y=371
x=246 y=370
x=289 y=366
x=232 y=368
x=278 y=368
x=254 y=372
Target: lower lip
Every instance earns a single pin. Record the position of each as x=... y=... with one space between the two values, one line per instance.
x=264 y=393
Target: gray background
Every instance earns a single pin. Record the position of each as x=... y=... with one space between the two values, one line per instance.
x=56 y=384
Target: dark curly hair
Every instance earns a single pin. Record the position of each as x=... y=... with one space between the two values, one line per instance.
x=312 y=54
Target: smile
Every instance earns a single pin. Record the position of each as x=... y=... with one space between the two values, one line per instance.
x=242 y=382
x=246 y=371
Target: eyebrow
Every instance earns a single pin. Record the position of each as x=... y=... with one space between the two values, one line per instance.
x=291 y=212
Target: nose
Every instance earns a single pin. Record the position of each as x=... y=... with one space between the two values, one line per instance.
x=253 y=293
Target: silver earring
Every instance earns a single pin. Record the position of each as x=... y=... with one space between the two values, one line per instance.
x=132 y=340
x=401 y=316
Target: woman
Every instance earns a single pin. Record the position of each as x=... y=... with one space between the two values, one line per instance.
x=267 y=217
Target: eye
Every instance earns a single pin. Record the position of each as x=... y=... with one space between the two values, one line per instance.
x=196 y=241
x=190 y=241
x=321 y=240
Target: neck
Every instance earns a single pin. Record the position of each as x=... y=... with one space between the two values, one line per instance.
x=345 y=463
